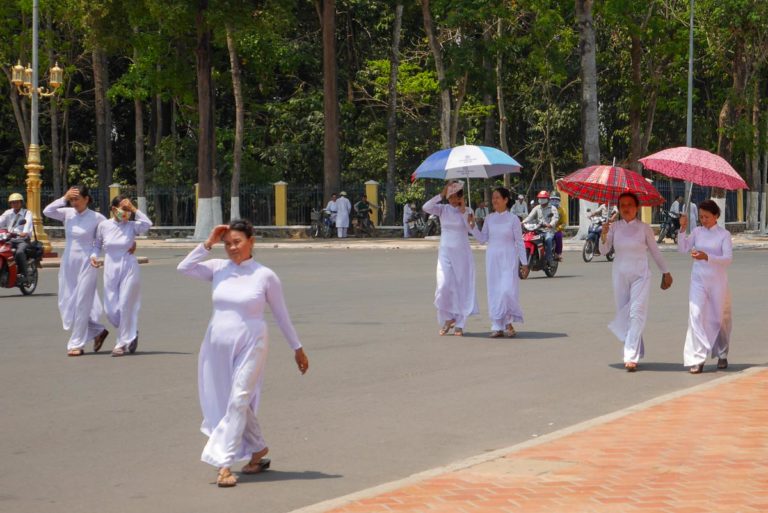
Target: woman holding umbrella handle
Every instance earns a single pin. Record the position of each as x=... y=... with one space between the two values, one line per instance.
x=709 y=297
x=632 y=240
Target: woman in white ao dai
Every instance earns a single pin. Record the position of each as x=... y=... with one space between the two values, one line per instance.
x=234 y=351
x=455 y=297
x=709 y=297
x=79 y=303
x=503 y=233
x=116 y=237
x=632 y=240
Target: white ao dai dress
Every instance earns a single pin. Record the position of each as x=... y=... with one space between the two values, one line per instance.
x=122 y=281
x=79 y=303
x=234 y=352
x=506 y=251
x=632 y=241
x=709 y=297
x=455 y=297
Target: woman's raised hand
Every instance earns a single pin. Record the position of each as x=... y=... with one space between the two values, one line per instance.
x=216 y=235
x=127 y=205
x=72 y=193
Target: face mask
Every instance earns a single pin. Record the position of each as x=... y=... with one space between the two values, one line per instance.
x=122 y=215
x=543 y=201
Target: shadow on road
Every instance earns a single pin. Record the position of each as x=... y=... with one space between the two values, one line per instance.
x=521 y=335
x=20 y=295
x=279 y=475
x=679 y=367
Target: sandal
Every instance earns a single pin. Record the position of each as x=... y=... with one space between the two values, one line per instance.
x=697 y=369
x=497 y=334
x=118 y=351
x=75 y=352
x=630 y=366
x=226 y=479
x=98 y=340
x=134 y=344
x=458 y=332
x=511 y=333
x=722 y=363
x=260 y=466
x=447 y=327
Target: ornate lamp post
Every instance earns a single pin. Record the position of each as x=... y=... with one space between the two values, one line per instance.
x=26 y=82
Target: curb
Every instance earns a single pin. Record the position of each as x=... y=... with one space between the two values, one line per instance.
x=325 y=506
x=55 y=263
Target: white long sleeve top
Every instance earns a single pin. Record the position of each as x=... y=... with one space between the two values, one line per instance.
x=632 y=241
x=241 y=290
x=715 y=242
x=503 y=231
x=79 y=227
x=454 y=225
x=117 y=238
x=9 y=220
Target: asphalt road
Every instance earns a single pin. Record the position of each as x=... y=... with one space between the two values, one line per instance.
x=384 y=397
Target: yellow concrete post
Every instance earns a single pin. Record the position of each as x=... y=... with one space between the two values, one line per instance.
x=646 y=214
x=372 y=191
x=739 y=206
x=564 y=203
x=281 y=203
x=114 y=192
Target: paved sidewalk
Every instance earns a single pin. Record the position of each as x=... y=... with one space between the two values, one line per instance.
x=701 y=450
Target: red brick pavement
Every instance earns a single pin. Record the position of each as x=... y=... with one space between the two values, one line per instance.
x=704 y=452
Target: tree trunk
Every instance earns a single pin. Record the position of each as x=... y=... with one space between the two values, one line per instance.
x=753 y=166
x=636 y=104
x=204 y=214
x=460 y=95
x=331 y=165
x=237 y=151
x=102 y=129
x=590 y=133
x=445 y=92
x=138 y=141
x=394 y=64
x=107 y=119
x=500 y=101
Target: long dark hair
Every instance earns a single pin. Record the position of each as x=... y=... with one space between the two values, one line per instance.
x=504 y=193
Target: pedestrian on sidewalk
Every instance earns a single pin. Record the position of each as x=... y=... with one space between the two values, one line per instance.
x=407 y=214
x=331 y=208
x=709 y=297
x=343 y=209
x=503 y=233
x=79 y=303
x=234 y=351
x=632 y=240
x=116 y=237
x=455 y=297
x=520 y=209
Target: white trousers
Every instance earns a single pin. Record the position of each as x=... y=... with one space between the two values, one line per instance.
x=709 y=320
x=341 y=232
x=238 y=434
x=631 y=292
x=85 y=325
x=122 y=298
x=443 y=316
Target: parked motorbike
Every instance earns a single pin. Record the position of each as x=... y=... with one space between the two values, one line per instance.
x=591 y=245
x=421 y=226
x=533 y=238
x=10 y=276
x=363 y=225
x=668 y=227
x=322 y=225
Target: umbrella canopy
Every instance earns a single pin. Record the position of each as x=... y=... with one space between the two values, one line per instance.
x=467 y=161
x=604 y=184
x=694 y=165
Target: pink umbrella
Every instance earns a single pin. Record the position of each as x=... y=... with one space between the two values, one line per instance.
x=697 y=166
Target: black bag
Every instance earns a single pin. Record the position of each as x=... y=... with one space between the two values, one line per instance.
x=35 y=250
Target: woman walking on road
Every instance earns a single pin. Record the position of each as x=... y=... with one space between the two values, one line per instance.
x=122 y=299
x=79 y=303
x=503 y=234
x=455 y=297
x=234 y=351
x=632 y=240
x=709 y=298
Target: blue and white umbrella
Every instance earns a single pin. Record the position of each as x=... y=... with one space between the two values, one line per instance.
x=467 y=161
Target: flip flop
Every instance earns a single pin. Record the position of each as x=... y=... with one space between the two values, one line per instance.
x=75 y=352
x=98 y=340
x=134 y=344
x=261 y=466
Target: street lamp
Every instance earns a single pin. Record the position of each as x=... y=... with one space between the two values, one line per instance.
x=26 y=82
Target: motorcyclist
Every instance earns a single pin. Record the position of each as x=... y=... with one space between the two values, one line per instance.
x=674 y=212
x=363 y=208
x=546 y=216
x=10 y=220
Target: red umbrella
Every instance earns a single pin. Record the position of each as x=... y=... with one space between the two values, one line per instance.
x=604 y=184
x=694 y=165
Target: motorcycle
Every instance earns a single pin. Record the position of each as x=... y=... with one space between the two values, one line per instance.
x=668 y=227
x=419 y=226
x=10 y=276
x=363 y=225
x=322 y=225
x=533 y=239
x=591 y=245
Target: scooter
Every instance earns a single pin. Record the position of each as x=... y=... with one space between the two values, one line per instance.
x=591 y=245
x=322 y=226
x=10 y=276
x=533 y=239
x=420 y=225
x=668 y=227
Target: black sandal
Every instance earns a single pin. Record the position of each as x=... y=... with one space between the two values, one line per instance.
x=697 y=369
x=261 y=466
